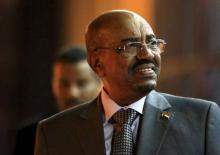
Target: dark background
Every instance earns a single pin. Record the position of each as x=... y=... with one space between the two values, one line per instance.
x=31 y=33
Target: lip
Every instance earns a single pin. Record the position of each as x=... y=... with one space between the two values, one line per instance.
x=145 y=70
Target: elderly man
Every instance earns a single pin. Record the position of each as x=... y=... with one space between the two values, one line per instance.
x=129 y=117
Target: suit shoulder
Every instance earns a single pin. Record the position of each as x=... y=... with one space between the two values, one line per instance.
x=188 y=101
x=68 y=115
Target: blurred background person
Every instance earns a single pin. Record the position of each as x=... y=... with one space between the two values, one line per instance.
x=73 y=83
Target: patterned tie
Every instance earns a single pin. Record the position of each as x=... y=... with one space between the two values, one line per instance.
x=122 y=140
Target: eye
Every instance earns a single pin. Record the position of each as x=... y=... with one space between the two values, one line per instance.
x=82 y=83
x=64 y=83
x=134 y=44
x=153 y=45
x=120 y=49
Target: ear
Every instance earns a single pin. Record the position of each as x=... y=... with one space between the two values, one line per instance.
x=96 y=63
x=99 y=67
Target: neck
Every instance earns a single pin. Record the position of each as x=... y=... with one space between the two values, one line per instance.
x=125 y=98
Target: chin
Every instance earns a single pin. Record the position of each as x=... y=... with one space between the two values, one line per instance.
x=146 y=87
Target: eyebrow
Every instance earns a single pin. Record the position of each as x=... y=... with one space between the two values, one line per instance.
x=151 y=36
x=130 y=40
x=136 y=39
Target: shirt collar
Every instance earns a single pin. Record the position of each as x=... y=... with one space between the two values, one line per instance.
x=111 y=107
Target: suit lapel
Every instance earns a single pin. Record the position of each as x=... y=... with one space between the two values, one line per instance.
x=157 y=116
x=90 y=130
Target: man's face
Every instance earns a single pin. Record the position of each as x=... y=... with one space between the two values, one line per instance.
x=129 y=74
x=73 y=84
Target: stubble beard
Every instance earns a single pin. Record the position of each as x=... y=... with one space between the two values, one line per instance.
x=145 y=88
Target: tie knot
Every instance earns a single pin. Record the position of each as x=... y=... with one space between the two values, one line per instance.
x=124 y=116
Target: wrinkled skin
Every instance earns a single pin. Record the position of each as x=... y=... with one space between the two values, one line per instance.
x=126 y=79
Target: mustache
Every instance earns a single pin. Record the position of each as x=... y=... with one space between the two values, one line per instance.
x=142 y=62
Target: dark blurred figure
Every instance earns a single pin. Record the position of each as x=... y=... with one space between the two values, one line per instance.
x=73 y=83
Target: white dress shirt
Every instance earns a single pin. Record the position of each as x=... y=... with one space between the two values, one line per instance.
x=110 y=108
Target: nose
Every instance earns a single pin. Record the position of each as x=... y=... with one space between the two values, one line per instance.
x=145 y=53
x=73 y=91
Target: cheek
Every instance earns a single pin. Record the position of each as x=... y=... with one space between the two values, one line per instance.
x=116 y=68
x=87 y=90
x=120 y=69
x=60 y=92
x=124 y=68
x=55 y=88
x=158 y=61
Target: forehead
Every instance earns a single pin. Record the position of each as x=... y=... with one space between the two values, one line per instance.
x=118 y=27
x=72 y=70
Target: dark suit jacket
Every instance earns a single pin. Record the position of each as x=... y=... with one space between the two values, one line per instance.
x=170 y=125
x=25 y=140
x=25 y=136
